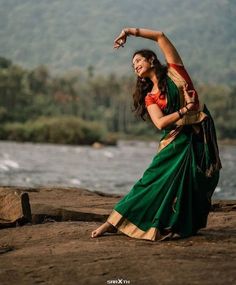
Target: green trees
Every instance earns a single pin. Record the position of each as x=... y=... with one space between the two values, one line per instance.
x=14 y=92
x=80 y=108
x=221 y=101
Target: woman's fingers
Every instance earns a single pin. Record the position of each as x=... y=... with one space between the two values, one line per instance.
x=191 y=93
x=120 y=41
x=118 y=45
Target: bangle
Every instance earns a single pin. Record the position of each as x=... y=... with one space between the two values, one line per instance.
x=136 y=33
x=187 y=108
x=180 y=114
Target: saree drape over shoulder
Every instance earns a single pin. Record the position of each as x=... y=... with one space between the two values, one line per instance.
x=173 y=197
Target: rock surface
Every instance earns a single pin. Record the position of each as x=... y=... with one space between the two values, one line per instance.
x=54 y=252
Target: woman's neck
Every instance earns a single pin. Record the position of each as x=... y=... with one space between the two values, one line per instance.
x=154 y=80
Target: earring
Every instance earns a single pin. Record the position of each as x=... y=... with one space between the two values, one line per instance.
x=151 y=62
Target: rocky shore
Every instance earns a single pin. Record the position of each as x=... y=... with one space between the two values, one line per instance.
x=55 y=246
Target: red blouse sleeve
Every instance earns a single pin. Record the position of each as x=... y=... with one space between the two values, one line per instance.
x=183 y=72
x=149 y=100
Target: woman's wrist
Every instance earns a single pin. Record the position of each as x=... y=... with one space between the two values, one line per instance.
x=144 y=33
x=182 y=111
x=131 y=32
x=126 y=31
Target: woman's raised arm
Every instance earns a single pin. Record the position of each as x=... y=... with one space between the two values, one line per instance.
x=168 y=49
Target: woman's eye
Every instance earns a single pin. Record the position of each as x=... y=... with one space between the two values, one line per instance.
x=136 y=62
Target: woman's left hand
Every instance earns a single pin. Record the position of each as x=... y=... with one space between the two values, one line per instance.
x=120 y=40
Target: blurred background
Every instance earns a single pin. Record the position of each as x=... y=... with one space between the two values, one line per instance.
x=62 y=83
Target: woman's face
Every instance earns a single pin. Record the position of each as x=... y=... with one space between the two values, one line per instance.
x=141 y=65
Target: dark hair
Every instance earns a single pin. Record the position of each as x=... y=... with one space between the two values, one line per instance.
x=144 y=85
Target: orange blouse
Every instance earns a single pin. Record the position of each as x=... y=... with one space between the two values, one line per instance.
x=154 y=98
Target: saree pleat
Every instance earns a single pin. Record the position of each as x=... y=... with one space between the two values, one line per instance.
x=174 y=194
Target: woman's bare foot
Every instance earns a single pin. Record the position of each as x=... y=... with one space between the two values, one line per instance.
x=106 y=227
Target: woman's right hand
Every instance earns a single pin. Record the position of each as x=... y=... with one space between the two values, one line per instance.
x=120 y=40
x=189 y=96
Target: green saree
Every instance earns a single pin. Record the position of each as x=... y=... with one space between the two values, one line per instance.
x=173 y=197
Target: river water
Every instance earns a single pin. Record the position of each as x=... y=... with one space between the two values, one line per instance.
x=108 y=169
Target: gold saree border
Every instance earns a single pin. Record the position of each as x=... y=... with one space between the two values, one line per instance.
x=169 y=138
x=130 y=229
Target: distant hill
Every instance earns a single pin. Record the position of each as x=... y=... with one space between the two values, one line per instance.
x=67 y=34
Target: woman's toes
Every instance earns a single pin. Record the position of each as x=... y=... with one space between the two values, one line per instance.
x=106 y=227
x=93 y=234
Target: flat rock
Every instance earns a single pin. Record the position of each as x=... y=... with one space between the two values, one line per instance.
x=64 y=253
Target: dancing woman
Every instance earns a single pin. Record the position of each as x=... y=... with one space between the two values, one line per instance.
x=173 y=197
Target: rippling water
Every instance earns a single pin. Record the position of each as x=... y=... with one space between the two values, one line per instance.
x=109 y=169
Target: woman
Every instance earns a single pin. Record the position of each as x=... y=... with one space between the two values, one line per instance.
x=173 y=197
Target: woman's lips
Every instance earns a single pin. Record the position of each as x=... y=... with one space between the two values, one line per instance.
x=139 y=68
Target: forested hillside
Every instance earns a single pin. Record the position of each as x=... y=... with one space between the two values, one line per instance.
x=78 y=108
x=68 y=34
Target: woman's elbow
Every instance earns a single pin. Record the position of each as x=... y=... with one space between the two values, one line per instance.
x=160 y=35
x=160 y=126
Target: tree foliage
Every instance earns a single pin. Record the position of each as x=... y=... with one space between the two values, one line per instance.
x=82 y=107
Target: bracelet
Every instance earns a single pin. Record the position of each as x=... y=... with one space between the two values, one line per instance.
x=180 y=114
x=187 y=108
x=136 y=33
